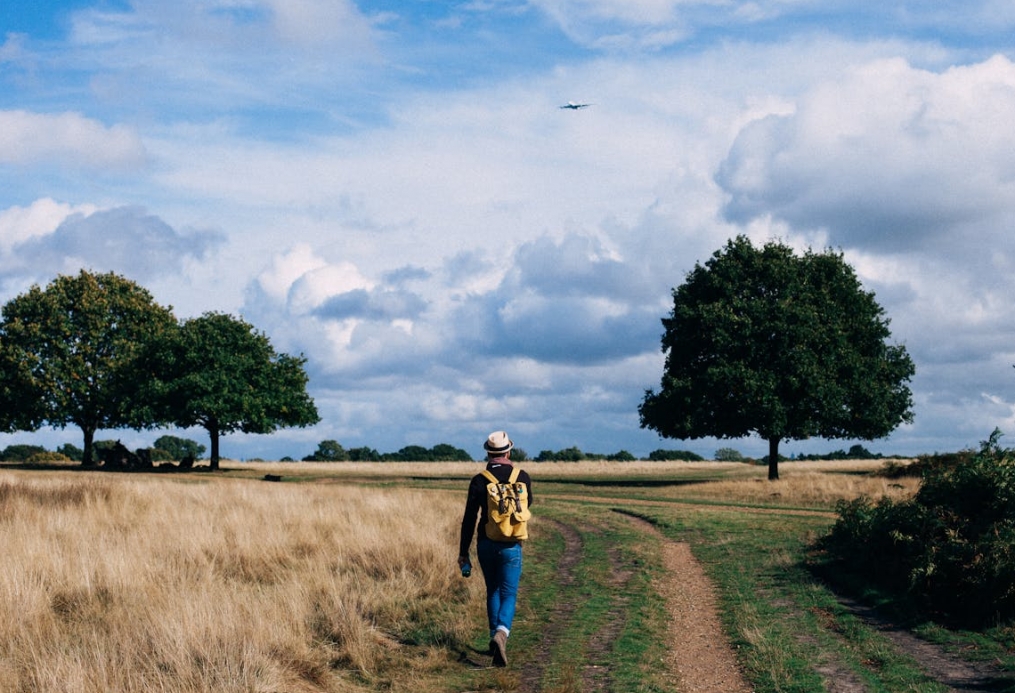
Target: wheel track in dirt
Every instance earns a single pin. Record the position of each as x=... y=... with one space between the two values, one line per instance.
x=702 y=659
x=532 y=671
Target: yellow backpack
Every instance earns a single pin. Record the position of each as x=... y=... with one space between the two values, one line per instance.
x=507 y=506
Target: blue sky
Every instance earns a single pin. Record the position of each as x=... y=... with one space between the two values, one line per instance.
x=391 y=189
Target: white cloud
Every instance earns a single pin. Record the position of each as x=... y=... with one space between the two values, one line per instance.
x=888 y=155
x=316 y=286
x=285 y=269
x=68 y=139
x=41 y=218
x=319 y=21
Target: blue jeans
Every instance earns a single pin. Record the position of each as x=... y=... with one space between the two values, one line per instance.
x=502 y=570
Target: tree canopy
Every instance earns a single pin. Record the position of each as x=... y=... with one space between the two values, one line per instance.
x=216 y=371
x=70 y=350
x=788 y=347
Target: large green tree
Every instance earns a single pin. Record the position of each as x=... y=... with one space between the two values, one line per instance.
x=21 y=397
x=73 y=349
x=216 y=371
x=784 y=346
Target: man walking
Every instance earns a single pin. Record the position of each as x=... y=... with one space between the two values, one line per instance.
x=500 y=557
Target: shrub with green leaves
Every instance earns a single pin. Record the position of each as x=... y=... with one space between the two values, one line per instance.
x=20 y=453
x=728 y=455
x=47 y=456
x=665 y=455
x=950 y=549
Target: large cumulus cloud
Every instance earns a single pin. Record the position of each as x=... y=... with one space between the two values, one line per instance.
x=469 y=341
x=888 y=156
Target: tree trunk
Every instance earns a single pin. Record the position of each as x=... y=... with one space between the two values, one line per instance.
x=87 y=459
x=213 y=431
x=773 y=459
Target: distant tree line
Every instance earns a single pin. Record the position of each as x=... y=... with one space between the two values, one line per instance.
x=575 y=454
x=173 y=448
x=332 y=451
x=165 y=448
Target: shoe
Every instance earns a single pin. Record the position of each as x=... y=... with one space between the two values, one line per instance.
x=499 y=647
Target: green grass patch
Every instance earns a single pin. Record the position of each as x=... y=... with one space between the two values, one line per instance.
x=787 y=626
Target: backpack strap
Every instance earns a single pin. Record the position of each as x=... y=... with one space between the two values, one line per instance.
x=514 y=475
x=490 y=477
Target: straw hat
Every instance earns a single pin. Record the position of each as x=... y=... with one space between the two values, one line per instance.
x=498 y=444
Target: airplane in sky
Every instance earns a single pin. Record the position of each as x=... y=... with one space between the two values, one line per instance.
x=575 y=106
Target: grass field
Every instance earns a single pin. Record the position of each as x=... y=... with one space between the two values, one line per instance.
x=343 y=578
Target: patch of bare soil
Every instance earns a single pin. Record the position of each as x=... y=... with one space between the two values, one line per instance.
x=700 y=656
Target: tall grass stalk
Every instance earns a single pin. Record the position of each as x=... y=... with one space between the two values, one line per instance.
x=148 y=584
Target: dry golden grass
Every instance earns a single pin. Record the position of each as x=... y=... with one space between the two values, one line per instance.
x=114 y=583
x=804 y=486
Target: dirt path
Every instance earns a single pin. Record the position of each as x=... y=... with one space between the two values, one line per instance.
x=955 y=673
x=701 y=659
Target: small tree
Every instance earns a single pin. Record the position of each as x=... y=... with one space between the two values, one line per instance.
x=364 y=454
x=410 y=453
x=443 y=452
x=77 y=343
x=20 y=452
x=178 y=448
x=728 y=455
x=763 y=341
x=328 y=451
x=71 y=451
x=218 y=372
x=685 y=455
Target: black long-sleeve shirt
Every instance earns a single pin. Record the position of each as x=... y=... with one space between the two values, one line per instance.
x=476 y=502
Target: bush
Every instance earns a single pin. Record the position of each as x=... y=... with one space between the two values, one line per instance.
x=951 y=549
x=20 y=453
x=364 y=454
x=160 y=455
x=571 y=454
x=328 y=451
x=684 y=455
x=71 y=452
x=178 y=448
x=856 y=452
x=442 y=452
x=46 y=456
x=728 y=455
